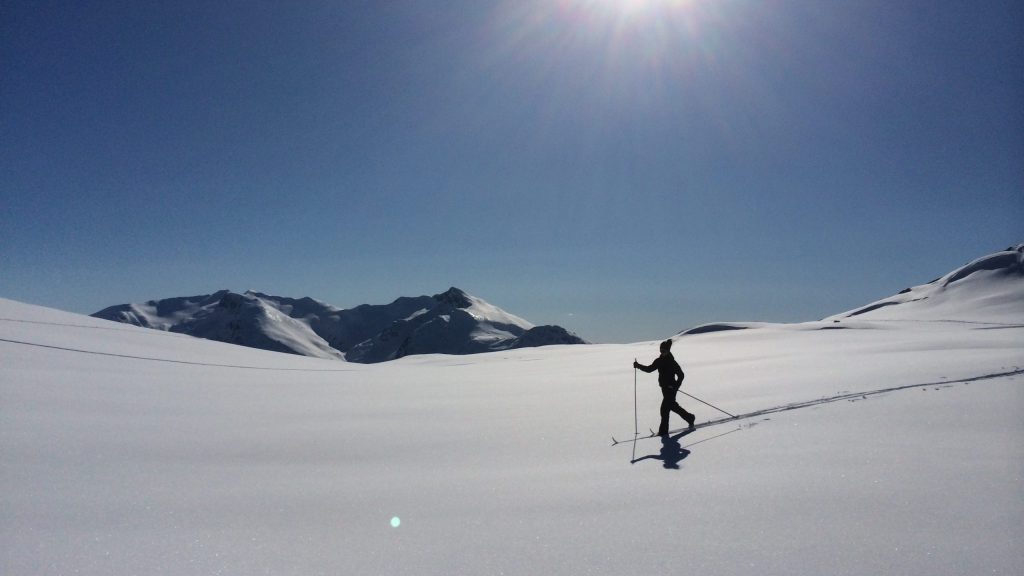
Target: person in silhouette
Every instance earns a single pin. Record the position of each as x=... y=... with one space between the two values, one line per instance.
x=670 y=377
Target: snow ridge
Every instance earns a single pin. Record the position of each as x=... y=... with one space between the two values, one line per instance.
x=988 y=289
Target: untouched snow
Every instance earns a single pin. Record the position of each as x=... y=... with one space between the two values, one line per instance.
x=985 y=290
x=487 y=312
x=133 y=451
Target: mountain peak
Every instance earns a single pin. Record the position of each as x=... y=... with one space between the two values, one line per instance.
x=455 y=297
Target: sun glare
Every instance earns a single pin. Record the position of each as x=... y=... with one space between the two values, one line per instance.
x=633 y=14
x=630 y=8
x=601 y=55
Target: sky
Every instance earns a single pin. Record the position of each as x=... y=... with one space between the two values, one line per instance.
x=623 y=168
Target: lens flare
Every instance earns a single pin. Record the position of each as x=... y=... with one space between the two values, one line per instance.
x=603 y=59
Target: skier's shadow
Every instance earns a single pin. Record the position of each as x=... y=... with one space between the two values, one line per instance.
x=672 y=453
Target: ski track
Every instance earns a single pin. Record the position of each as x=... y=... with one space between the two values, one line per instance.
x=817 y=402
x=150 y=359
x=133 y=329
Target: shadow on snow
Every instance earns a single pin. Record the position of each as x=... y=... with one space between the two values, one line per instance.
x=671 y=454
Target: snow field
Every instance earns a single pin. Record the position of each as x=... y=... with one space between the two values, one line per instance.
x=502 y=463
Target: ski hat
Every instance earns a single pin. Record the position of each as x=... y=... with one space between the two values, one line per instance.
x=666 y=345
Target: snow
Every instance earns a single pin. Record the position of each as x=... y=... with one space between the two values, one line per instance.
x=483 y=310
x=986 y=289
x=134 y=451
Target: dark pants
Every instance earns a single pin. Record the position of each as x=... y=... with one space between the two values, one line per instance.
x=668 y=405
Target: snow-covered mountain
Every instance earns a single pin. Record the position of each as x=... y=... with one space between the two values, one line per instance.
x=452 y=322
x=248 y=319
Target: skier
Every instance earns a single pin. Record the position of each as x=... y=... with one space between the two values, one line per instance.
x=670 y=377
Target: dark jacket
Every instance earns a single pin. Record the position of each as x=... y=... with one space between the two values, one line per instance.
x=667 y=368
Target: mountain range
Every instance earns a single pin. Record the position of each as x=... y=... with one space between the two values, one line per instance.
x=452 y=322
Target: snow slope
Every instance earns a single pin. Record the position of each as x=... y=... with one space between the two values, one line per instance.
x=985 y=290
x=132 y=451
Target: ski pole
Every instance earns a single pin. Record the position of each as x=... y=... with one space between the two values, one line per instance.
x=636 y=425
x=703 y=402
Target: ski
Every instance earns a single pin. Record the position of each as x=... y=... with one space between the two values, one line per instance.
x=683 y=431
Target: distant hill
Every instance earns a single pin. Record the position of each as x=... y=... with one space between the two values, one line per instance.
x=452 y=322
x=988 y=289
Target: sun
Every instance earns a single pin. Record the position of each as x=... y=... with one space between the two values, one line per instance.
x=629 y=5
x=629 y=8
x=630 y=14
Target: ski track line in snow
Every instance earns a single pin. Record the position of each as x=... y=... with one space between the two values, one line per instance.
x=63 y=324
x=176 y=361
x=848 y=396
x=130 y=328
x=981 y=323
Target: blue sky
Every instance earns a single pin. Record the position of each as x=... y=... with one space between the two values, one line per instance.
x=626 y=169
